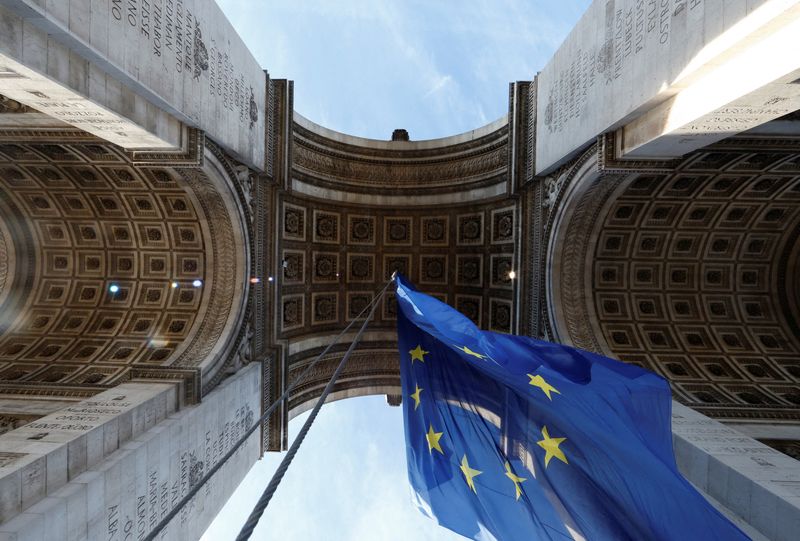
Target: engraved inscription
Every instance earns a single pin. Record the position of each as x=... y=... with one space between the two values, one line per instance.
x=169 y=29
x=165 y=486
x=629 y=26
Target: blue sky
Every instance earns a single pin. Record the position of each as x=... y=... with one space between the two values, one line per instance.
x=434 y=67
x=366 y=67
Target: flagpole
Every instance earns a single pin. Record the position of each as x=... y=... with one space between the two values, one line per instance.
x=210 y=473
x=261 y=505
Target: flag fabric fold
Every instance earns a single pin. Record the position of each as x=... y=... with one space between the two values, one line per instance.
x=512 y=438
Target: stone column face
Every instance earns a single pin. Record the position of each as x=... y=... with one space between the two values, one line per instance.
x=161 y=455
x=136 y=73
x=756 y=484
x=669 y=73
x=40 y=457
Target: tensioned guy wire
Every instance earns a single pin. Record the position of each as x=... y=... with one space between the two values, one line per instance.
x=195 y=489
x=261 y=505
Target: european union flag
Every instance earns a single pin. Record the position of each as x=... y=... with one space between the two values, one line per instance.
x=514 y=438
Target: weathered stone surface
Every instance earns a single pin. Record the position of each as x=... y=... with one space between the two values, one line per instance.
x=676 y=74
x=751 y=480
x=42 y=456
x=136 y=73
x=130 y=491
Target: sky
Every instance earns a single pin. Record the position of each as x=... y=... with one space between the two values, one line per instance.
x=365 y=67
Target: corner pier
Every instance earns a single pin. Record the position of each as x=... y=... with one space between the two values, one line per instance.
x=136 y=74
x=113 y=466
x=667 y=77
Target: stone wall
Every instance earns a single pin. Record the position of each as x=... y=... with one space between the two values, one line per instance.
x=124 y=493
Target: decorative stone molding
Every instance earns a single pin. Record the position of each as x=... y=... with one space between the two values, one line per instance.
x=376 y=244
x=7 y=105
x=190 y=155
x=338 y=252
x=98 y=218
x=609 y=161
x=366 y=368
x=685 y=272
x=360 y=165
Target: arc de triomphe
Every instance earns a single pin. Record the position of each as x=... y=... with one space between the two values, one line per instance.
x=178 y=244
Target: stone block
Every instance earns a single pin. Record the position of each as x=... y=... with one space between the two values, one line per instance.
x=97 y=83
x=57 y=469
x=125 y=427
x=161 y=408
x=111 y=474
x=57 y=60
x=128 y=498
x=98 y=25
x=10 y=494
x=171 y=401
x=692 y=462
x=74 y=497
x=137 y=422
x=763 y=510
x=139 y=455
x=33 y=479
x=78 y=73
x=23 y=527
x=95 y=446
x=95 y=503
x=787 y=519
x=34 y=48
x=11 y=36
x=76 y=457
x=80 y=19
x=52 y=512
x=59 y=10
x=738 y=491
x=110 y=436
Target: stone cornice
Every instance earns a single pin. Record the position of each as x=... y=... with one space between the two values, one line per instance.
x=451 y=164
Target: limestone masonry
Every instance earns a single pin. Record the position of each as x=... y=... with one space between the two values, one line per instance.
x=177 y=245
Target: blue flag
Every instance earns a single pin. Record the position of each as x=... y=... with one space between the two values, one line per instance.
x=512 y=438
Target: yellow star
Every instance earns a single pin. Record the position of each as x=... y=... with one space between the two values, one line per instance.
x=433 y=440
x=515 y=479
x=550 y=445
x=539 y=381
x=468 y=351
x=415 y=396
x=417 y=354
x=469 y=473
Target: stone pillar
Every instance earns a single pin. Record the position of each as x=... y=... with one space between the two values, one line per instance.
x=754 y=483
x=136 y=74
x=39 y=458
x=667 y=77
x=123 y=494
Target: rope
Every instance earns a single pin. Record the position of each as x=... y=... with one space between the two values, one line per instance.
x=196 y=488
x=261 y=505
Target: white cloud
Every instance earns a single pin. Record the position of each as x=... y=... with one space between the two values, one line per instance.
x=439 y=84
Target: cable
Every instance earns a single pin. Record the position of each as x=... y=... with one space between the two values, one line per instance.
x=196 y=488
x=261 y=505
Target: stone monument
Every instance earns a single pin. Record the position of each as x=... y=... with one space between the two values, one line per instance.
x=177 y=244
